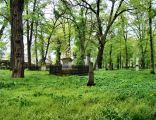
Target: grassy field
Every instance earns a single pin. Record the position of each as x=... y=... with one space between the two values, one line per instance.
x=118 y=95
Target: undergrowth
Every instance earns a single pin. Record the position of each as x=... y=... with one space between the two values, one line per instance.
x=118 y=95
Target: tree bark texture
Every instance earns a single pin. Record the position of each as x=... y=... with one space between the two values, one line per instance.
x=16 y=10
x=151 y=39
x=91 y=75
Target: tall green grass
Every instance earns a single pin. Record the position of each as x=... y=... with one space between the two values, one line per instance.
x=118 y=95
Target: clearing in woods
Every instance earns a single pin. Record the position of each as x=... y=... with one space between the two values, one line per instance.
x=118 y=95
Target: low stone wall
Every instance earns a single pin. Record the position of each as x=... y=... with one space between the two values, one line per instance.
x=71 y=70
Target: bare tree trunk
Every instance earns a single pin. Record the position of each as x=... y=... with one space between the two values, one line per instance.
x=16 y=10
x=151 y=39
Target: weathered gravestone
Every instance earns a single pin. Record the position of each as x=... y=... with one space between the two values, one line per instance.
x=137 y=64
x=91 y=75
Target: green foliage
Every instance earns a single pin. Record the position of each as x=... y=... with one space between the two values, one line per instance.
x=2 y=48
x=78 y=60
x=118 y=95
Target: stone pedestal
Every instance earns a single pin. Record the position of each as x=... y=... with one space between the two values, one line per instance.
x=67 y=63
x=43 y=67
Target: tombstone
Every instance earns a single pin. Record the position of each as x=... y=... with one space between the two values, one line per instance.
x=66 y=63
x=137 y=64
x=87 y=60
x=91 y=75
x=67 y=68
x=43 y=67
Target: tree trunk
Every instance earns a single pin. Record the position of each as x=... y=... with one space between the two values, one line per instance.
x=125 y=36
x=143 y=62
x=69 y=37
x=100 y=33
x=126 y=54
x=28 y=30
x=110 y=59
x=29 y=54
x=82 y=36
x=58 y=57
x=82 y=49
x=2 y=29
x=42 y=51
x=16 y=10
x=99 y=57
x=143 y=52
x=137 y=64
x=36 y=36
x=151 y=39
x=90 y=75
x=11 y=53
x=29 y=39
x=47 y=47
x=118 y=62
x=58 y=53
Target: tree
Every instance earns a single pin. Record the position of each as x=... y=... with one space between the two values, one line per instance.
x=102 y=33
x=30 y=30
x=125 y=36
x=3 y=28
x=140 y=29
x=79 y=23
x=16 y=10
x=151 y=38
